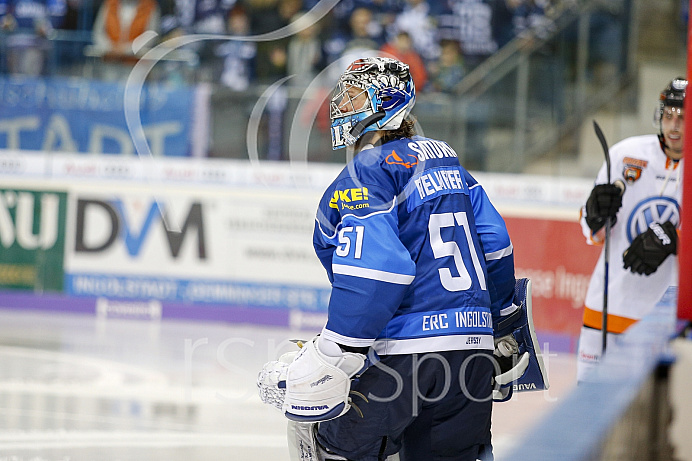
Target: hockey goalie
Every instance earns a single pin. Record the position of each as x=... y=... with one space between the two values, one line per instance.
x=426 y=323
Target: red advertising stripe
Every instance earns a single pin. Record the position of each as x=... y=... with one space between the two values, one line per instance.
x=555 y=256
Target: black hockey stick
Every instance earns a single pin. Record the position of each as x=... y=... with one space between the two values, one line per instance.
x=606 y=255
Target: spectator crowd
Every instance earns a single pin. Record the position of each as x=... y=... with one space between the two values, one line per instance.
x=441 y=40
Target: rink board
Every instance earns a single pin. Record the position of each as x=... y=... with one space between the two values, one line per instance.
x=231 y=241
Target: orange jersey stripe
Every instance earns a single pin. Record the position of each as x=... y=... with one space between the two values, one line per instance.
x=616 y=323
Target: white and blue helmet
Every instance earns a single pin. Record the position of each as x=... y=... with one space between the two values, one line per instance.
x=372 y=94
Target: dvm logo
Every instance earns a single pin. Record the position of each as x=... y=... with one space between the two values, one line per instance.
x=133 y=238
x=654 y=209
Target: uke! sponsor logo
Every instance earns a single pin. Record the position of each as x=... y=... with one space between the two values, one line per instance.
x=351 y=199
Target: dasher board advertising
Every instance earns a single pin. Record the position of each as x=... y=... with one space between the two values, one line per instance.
x=231 y=247
x=32 y=238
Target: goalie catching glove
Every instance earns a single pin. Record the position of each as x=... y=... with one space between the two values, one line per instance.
x=517 y=353
x=649 y=249
x=271 y=381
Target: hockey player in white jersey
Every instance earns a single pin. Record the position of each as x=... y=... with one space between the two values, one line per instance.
x=643 y=204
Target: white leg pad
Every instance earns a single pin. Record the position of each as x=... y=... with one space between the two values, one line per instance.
x=302 y=445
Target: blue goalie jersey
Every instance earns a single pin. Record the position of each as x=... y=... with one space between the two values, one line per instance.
x=418 y=258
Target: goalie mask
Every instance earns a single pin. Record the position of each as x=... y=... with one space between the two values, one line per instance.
x=673 y=97
x=372 y=94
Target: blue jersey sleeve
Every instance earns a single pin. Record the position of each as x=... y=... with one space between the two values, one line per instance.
x=497 y=248
x=357 y=240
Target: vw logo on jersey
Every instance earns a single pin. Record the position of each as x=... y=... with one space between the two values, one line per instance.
x=654 y=209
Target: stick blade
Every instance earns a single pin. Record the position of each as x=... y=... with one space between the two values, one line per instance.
x=604 y=145
x=601 y=138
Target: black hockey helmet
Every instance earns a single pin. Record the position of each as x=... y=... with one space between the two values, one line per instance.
x=674 y=94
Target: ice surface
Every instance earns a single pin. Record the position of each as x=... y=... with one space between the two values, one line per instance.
x=77 y=387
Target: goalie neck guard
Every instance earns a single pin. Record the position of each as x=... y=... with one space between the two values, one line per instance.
x=372 y=94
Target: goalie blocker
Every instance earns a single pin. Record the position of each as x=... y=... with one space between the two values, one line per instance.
x=517 y=352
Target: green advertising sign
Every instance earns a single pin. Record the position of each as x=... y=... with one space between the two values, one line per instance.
x=32 y=239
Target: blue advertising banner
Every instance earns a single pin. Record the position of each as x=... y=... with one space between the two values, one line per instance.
x=87 y=116
x=198 y=291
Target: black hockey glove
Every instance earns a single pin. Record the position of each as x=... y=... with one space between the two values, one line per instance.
x=603 y=203
x=649 y=249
